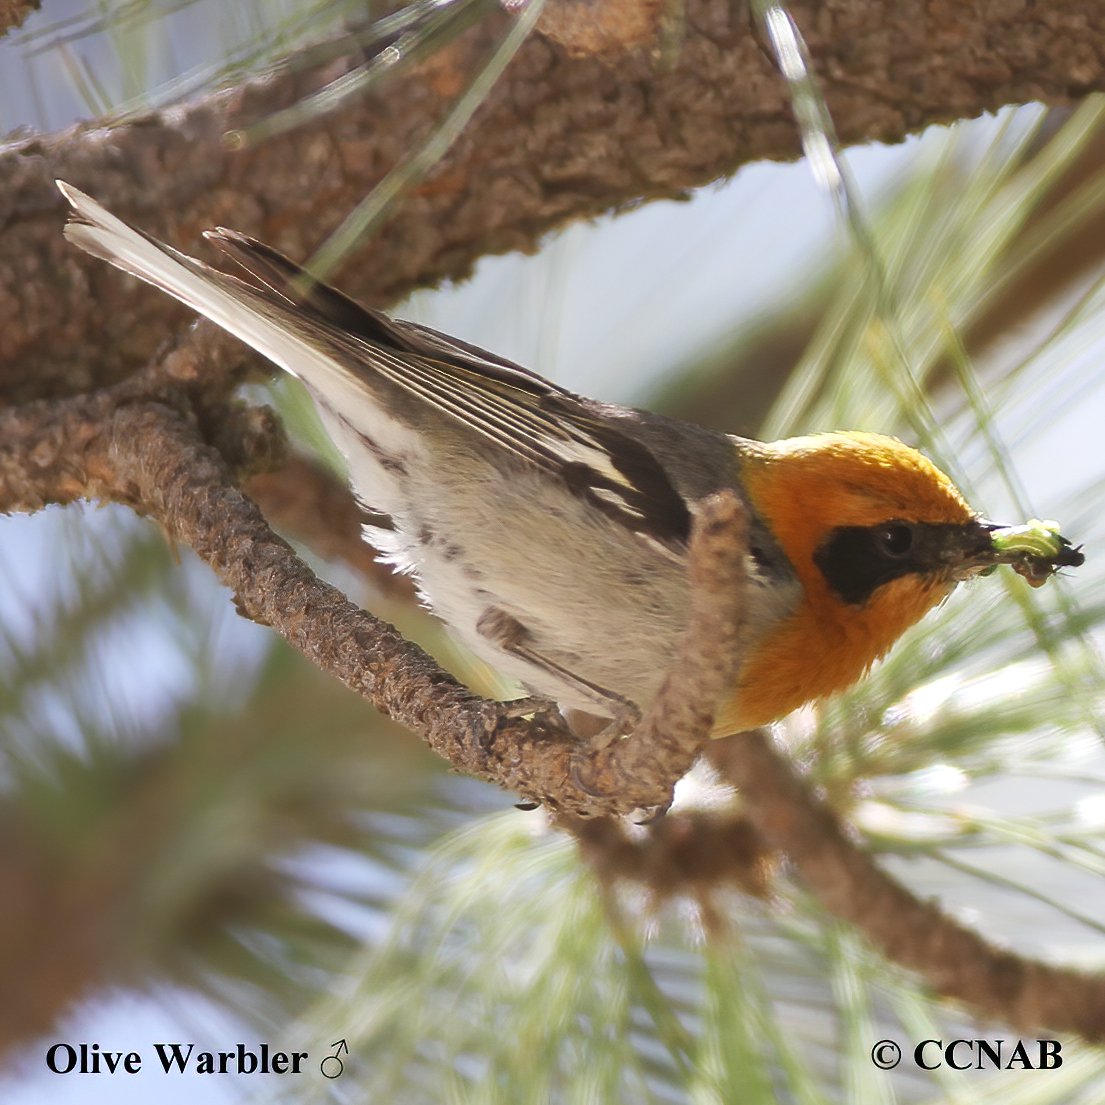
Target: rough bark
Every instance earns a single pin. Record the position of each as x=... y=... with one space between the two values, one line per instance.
x=139 y=443
x=13 y=12
x=566 y=134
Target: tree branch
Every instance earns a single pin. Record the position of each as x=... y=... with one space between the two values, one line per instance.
x=577 y=126
x=567 y=134
x=955 y=961
x=686 y=853
x=13 y=12
x=146 y=451
x=306 y=500
x=669 y=737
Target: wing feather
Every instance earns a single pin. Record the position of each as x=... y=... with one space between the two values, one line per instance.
x=308 y=328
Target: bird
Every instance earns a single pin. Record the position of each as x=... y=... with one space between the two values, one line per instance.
x=549 y=531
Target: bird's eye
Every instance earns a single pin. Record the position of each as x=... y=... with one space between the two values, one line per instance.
x=894 y=540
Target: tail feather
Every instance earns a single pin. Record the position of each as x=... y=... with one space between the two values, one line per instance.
x=387 y=380
x=295 y=284
x=263 y=318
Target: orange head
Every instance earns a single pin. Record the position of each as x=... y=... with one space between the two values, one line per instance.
x=877 y=536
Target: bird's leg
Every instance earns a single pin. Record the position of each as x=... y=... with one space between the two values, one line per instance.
x=507 y=633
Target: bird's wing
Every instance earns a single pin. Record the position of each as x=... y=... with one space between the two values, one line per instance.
x=312 y=330
x=523 y=413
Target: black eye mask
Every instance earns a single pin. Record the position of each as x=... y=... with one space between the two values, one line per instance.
x=857 y=560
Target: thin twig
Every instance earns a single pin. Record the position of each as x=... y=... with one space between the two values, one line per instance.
x=163 y=467
x=691 y=854
x=151 y=456
x=670 y=736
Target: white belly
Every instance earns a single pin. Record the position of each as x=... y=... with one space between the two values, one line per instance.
x=593 y=598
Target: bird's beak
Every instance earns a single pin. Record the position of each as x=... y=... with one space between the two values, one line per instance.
x=1035 y=550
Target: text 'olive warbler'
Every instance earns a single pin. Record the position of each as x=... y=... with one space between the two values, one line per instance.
x=549 y=531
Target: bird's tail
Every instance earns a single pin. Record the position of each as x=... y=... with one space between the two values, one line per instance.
x=261 y=317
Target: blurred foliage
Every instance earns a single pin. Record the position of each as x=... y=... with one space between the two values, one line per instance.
x=266 y=840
